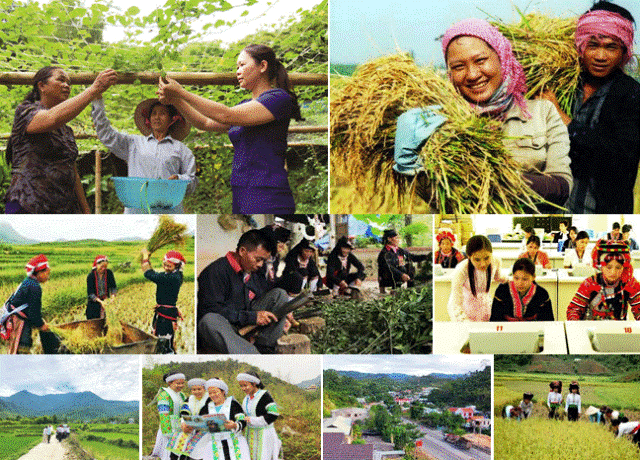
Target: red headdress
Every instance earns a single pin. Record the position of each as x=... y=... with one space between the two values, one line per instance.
x=37 y=263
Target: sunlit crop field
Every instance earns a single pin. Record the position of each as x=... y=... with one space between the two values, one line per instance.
x=109 y=442
x=64 y=296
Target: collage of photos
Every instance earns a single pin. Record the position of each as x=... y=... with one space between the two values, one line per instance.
x=321 y=230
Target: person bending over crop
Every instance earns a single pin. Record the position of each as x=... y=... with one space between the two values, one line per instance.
x=42 y=148
x=101 y=285
x=612 y=291
x=447 y=255
x=395 y=264
x=159 y=153
x=534 y=253
x=257 y=128
x=522 y=299
x=484 y=70
x=25 y=306
x=627 y=428
x=234 y=293
x=526 y=405
x=604 y=123
x=165 y=318
x=470 y=299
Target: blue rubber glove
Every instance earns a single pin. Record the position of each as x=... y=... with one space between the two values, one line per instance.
x=413 y=129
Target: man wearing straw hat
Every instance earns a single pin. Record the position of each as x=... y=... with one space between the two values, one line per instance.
x=159 y=153
x=604 y=126
x=233 y=293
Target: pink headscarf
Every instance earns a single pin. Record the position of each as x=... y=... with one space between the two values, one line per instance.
x=602 y=22
x=512 y=72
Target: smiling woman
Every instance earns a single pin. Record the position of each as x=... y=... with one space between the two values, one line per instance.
x=42 y=148
x=484 y=70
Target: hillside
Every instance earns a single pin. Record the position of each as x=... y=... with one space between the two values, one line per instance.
x=575 y=364
x=73 y=406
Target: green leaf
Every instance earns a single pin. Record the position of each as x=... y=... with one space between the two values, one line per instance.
x=132 y=11
x=77 y=12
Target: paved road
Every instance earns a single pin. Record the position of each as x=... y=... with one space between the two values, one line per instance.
x=43 y=451
x=434 y=445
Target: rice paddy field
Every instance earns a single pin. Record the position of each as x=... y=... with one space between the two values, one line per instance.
x=539 y=438
x=64 y=296
x=17 y=439
x=109 y=442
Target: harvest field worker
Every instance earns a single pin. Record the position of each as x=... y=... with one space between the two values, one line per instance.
x=170 y=400
x=339 y=263
x=526 y=405
x=447 y=255
x=233 y=293
x=261 y=412
x=165 y=318
x=470 y=299
x=534 y=253
x=573 y=404
x=101 y=285
x=257 y=128
x=395 y=265
x=42 y=148
x=301 y=260
x=554 y=399
x=627 y=428
x=158 y=153
x=604 y=125
x=25 y=306
x=612 y=291
x=485 y=72
x=522 y=299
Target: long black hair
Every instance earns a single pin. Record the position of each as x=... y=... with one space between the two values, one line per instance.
x=477 y=243
x=276 y=72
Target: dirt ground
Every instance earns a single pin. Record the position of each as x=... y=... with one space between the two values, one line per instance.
x=43 y=451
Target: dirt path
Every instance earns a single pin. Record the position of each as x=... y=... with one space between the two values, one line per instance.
x=43 y=451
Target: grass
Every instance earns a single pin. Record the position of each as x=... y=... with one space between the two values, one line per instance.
x=103 y=451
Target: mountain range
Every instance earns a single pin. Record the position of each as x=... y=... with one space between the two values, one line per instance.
x=397 y=376
x=78 y=406
x=9 y=236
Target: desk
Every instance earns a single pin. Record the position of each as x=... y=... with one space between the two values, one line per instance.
x=442 y=291
x=578 y=336
x=449 y=337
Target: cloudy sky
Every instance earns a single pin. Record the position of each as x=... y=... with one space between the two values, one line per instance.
x=114 y=377
x=107 y=227
x=408 y=364
x=361 y=30
x=290 y=368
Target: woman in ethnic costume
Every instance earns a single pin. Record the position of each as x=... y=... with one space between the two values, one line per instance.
x=25 y=306
x=447 y=256
x=101 y=285
x=185 y=443
x=165 y=319
x=170 y=402
x=261 y=411
x=522 y=299
x=339 y=264
x=612 y=291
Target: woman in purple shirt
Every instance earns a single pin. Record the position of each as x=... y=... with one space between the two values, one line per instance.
x=257 y=128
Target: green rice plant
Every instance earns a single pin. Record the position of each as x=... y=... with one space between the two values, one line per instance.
x=14 y=445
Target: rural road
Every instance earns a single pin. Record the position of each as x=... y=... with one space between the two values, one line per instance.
x=43 y=451
x=433 y=444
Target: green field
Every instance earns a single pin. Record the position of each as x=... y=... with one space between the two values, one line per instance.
x=13 y=446
x=109 y=441
x=594 y=390
x=64 y=296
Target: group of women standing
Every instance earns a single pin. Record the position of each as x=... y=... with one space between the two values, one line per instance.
x=43 y=151
x=233 y=431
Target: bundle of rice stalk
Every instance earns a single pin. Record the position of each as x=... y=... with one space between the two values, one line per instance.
x=546 y=49
x=167 y=232
x=466 y=167
x=78 y=342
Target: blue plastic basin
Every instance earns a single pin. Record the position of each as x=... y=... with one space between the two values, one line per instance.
x=155 y=195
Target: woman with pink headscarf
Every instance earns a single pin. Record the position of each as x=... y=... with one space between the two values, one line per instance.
x=482 y=67
x=604 y=123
